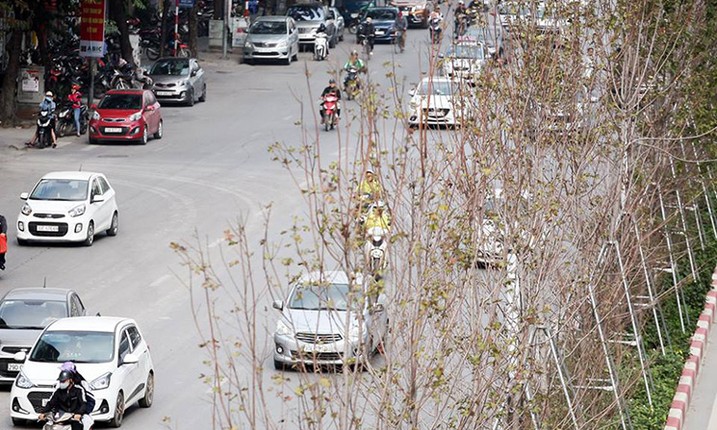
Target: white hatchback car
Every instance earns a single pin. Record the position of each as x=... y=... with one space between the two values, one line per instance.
x=68 y=207
x=110 y=352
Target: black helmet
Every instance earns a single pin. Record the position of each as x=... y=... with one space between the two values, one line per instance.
x=322 y=27
x=64 y=376
x=332 y=81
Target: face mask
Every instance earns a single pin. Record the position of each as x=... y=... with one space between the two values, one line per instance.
x=64 y=385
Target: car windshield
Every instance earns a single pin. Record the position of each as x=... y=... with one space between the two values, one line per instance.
x=121 y=101
x=382 y=14
x=78 y=346
x=30 y=314
x=435 y=88
x=60 y=189
x=171 y=68
x=320 y=297
x=306 y=13
x=471 y=52
x=268 y=27
x=513 y=9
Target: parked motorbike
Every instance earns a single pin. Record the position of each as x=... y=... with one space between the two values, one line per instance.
x=321 y=46
x=435 y=27
x=44 y=129
x=58 y=421
x=330 y=117
x=66 y=120
x=375 y=249
x=351 y=83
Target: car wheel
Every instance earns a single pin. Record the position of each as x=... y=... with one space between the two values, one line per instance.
x=341 y=35
x=203 y=97
x=114 y=226
x=146 y=401
x=116 y=420
x=90 y=234
x=287 y=61
x=278 y=365
x=296 y=54
x=190 y=100
x=145 y=136
x=332 y=42
x=160 y=130
x=249 y=61
x=92 y=141
x=18 y=422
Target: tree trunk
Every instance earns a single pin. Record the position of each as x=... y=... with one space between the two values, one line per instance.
x=7 y=98
x=193 y=46
x=219 y=9
x=118 y=13
x=165 y=24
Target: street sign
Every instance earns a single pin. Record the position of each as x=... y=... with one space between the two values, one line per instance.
x=186 y=4
x=92 y=28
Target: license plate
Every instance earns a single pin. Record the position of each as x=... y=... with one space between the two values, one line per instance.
x=14 y=367
x=48 y=228
x=379 y=32
x=113 y=130
x=319 y=348
x=164 y=93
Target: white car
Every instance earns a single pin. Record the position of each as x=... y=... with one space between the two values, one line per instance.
x=110 y=352
x=463 y=62
x=68 y=207
x=329 y=318
x=438 y=101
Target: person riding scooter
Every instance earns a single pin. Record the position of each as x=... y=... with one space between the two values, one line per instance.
x=332 y=89
x=47 y=105
x=68 y=397
x=78 y=379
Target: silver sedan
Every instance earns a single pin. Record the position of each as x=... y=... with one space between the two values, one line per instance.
x=272 y=38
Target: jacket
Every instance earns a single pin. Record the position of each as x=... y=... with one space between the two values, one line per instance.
x=47 y=104
x=76 y=99
x=329 y=90
x=73 y=400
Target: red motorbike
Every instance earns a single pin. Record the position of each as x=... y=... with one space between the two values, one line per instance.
x=330 y=117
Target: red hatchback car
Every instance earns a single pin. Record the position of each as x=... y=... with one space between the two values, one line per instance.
x=126 y=115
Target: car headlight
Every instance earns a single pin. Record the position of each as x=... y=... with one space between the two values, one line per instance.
x=23 y=381
x=183 y=83
x=102 y=382
x=135 y=116
x=283 y=328
x=26 y=209
x=77 y=210
x=355 y=331
x=248 y=44
x=282 y=43
x=96 y=116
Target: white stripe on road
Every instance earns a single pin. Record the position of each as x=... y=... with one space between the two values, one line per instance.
x=216 y=242
x=159 y=281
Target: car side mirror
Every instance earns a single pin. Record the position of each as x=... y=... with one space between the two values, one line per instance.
x=193 y=73
x=20 y=356
x=278 y=304
x=24 y=196
x=97 y=199
x=130 y=359
x=441 y=56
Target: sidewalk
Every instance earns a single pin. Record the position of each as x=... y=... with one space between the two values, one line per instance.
x=702 y=413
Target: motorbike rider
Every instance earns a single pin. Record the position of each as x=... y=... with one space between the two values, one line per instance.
x=68 y=397
x=368 y=31
x=354 y=62
x=401 y=26
x=47 y=104
x=322 y=31
x=3 y=241
x=78 y=379
x=332 y=89
x=76 y=99
x=370 y=189
x=378 y=217
x=460 y=17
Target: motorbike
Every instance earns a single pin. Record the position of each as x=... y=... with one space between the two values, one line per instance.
x=330 y=117
x=66 y=120
x=44 y=129
x=58 y=421
x=375 y=249
x=434 y=26
x=351 y=83
x=321 y=46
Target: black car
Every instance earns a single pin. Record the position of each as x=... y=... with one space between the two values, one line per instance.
x=384 y=22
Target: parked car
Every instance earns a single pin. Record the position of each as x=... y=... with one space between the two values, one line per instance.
x=24 y=313
x=384 y=21
x=416 y=11
x=272 y=38
x=339 y=22
x=110 y=352
x=329 y=318
x=437 y=101
x=308 y=17
x=68 y=207
x=463 y=62
x=490 y=37
x=126 y=115
x=179 y=80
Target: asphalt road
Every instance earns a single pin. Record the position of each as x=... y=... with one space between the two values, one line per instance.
x=210 y=169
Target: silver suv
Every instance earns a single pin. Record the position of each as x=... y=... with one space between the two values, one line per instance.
x=308 y=17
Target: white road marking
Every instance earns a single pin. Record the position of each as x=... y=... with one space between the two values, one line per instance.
x=216 y=242
x=288 y=117
x=159 y=281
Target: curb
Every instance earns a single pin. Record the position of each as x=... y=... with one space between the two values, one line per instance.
x=688 y=379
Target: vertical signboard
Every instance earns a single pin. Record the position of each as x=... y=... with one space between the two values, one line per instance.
x=92 y=28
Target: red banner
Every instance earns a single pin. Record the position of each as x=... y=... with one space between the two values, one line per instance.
x=92 y=28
